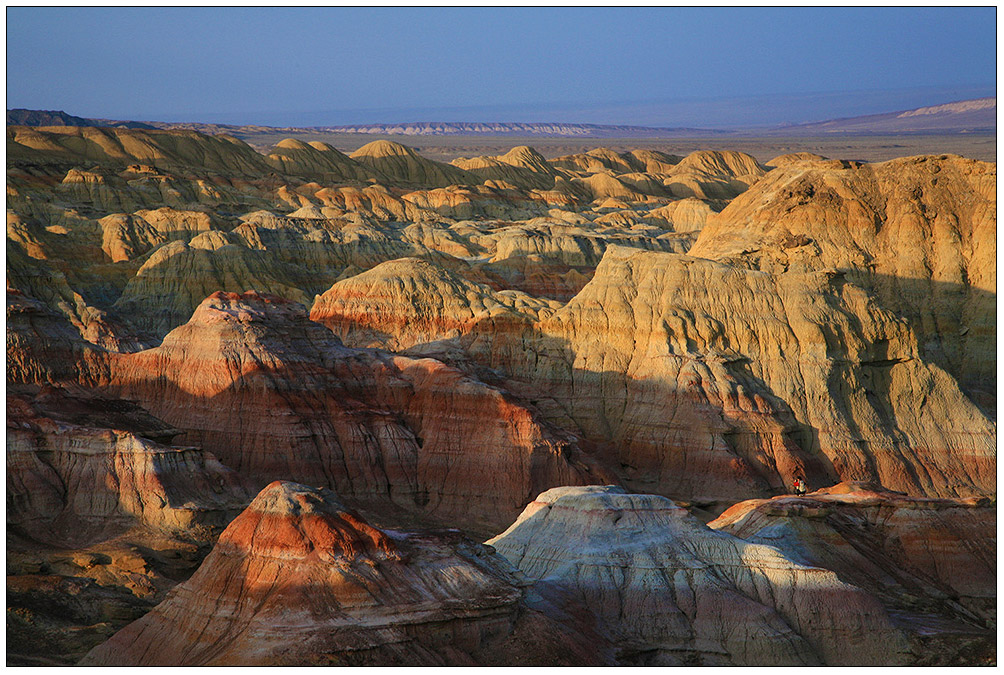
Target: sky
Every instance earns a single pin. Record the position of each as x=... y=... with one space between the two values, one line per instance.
x=700 y=67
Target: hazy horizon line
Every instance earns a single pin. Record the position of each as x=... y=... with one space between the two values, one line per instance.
x=710 y=113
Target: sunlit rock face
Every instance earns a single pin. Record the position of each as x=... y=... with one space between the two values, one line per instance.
x=71 y=485
x=918 y=232
x=713 y=382
x=404 y=165
x=671 y=591
x=374 y=426
x=703 y=328
x=299 y=579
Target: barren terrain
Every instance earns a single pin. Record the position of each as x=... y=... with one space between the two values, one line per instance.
x=267 y=395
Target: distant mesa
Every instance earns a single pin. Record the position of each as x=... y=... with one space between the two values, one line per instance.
x=972 y=116
x=958 y=117
x=557 y=129
x=58 y=118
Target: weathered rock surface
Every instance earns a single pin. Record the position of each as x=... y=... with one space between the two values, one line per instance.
x=407 y=302
x=218 y=154
x=403 y=164
x=671 y=591
x=412 y=432
x=71 y=485
x=918 y=232
x=710 y=381
x=299 y=579
x=522 y=166
x=317 y=161
x=933 y=562
x=713 y=175
x=833 y=320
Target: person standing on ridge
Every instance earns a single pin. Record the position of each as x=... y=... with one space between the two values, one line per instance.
x=799 y=486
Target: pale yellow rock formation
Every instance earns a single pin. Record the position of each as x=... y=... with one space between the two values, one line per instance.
x=317 y=161
x=219 y=154
x=709 y=174
x=792 y=157
x=918 y=232
x=520 y=167
x=179 y=275
x=684 y=215
x=400 y=163
x=710 y=382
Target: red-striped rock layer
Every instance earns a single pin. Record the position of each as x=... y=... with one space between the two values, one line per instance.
x=298 y=579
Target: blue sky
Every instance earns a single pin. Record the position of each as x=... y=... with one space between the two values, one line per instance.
x=656 y=66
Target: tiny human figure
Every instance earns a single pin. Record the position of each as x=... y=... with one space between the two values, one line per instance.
x=799 y=487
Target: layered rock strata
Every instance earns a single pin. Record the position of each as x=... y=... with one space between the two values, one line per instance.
x=672 y=592
x=299 y=579
x=374 y=426
x=933 y=561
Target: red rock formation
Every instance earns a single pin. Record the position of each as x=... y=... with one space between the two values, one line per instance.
x=71 y=485
x=373 y=426
x=298 y=579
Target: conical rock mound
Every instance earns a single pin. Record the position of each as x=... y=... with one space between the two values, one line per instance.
x=404 y=165
x=298 y=579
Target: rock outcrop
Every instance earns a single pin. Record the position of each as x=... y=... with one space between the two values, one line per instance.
x=299 y=579
x=376 y=427
x=709 y=382
x=169 y=149
x=931 y=561
x=71 y=485
x=713 y=175
x=918 y=232
x=317 y=161
x=403 y=164
x=407 y=302
x=671 y=592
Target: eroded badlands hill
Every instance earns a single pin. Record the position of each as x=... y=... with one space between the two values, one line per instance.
x=189 y=320
x=673 y=592
x=299 y=579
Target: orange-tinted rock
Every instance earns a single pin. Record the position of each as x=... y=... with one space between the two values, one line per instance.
x=299 y=579
x=374 y=426
x=408 y=302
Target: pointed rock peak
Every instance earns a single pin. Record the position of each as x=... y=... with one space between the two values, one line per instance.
x=292 y=144
x=383 y=149
x=524 y=155
x=323 y=147
x=289 y=520
x=605 y=153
